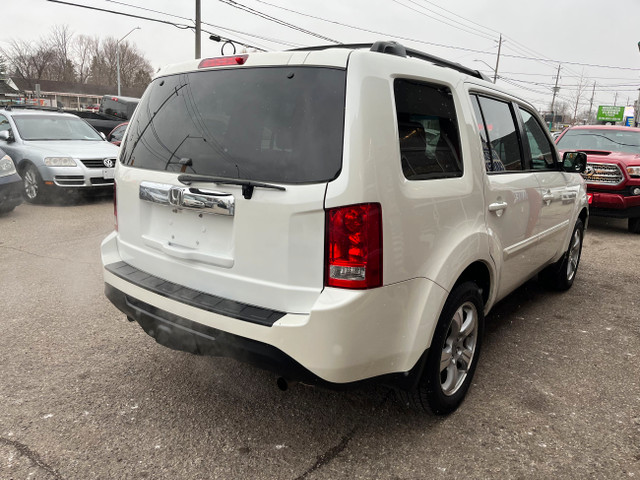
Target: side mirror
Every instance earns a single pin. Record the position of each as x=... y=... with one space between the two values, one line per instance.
x=574 y=162
x=6 y=136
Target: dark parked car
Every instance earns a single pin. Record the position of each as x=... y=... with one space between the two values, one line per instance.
x=613 y=169
x=115 y=135
x=10 y=184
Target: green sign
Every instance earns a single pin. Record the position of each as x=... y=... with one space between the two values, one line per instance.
x=610 y=114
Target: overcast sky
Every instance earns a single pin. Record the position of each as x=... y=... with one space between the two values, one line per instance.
x=585 y=36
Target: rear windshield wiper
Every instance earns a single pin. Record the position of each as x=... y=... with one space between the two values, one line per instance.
x=247 y=185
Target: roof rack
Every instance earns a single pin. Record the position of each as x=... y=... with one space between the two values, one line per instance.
x=31 y=107
x=395 y=48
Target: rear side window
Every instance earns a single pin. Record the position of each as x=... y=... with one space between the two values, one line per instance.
x=266 y=124
x=542 y=152
x=427 y=131
x=502 y=152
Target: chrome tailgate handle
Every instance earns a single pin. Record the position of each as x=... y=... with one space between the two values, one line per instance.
x=207 y=201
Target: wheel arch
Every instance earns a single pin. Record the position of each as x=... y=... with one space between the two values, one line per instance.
x=584 y=216
x=479 y=273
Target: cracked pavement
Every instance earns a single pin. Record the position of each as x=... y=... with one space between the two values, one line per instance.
x=84 y=394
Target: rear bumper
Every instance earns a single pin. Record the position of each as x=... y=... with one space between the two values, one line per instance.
x=179 y=333
x=347 y=337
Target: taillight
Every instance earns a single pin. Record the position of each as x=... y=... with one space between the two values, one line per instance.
x=353 y=248
x=115 y=208
x=222 y=61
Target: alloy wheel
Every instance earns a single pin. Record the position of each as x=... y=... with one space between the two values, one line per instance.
x=459 y=348
x=574 y=254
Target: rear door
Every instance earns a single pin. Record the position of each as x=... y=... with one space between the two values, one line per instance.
x=511 y=193
x=223 y=179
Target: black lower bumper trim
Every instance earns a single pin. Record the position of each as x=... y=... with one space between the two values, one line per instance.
x=632 y=212
x=203 y=301
x=182 y=334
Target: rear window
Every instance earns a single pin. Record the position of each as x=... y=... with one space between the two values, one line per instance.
x=264 y=124
x=601 y=139
x=428 y=131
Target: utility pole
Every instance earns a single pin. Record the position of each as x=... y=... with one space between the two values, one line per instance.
x=198 y=29
x=553 y=100
x=495 y=73
x=593 y=93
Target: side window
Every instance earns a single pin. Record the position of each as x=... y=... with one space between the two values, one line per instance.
x=542 y=152
x=488 y=159
x=500 y=126
x=4 y=123
x=427 y=131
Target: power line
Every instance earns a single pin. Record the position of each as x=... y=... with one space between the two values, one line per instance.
x=263 y=15
x=180 y=26
x=402 y=37
x=477 y=32
x=239 y=32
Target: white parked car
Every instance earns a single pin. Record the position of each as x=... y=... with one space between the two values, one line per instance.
x=338 y=215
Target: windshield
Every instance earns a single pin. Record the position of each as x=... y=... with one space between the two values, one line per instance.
x=600 y=139
x=54 y=127
x=264 y=124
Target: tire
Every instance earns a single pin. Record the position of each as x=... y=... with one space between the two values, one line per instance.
x=4 y=210
x=453 y=355
x=33 y=186
x=560 y=275
x=634 y=225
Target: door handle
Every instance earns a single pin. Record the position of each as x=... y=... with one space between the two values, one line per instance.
x=498 y=207
x=547 y=198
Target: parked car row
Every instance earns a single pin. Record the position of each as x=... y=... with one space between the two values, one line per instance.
x=53 y=152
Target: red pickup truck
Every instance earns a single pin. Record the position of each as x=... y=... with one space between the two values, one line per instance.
x=613 y=169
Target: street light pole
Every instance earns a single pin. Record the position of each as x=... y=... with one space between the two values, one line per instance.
x=490 y=68
x=118 y=55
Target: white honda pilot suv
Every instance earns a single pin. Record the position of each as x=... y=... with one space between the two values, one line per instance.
x=338 y=214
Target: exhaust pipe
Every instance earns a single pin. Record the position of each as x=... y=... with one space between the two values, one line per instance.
x=284 y=384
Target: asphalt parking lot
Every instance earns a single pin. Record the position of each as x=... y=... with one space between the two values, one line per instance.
x=84 y=394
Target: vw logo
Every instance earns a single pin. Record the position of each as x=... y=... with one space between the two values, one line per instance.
x=176 y=196
x=108 y=162
x=589 y=170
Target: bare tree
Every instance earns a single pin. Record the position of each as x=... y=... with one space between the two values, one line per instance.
x=29 y=60
x=83 y=50
x=578 y=95
x=135 y=70
x=63 y=57
x=62 y=67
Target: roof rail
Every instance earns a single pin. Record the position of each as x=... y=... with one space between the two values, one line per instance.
x=31 y=107
x=395 y=48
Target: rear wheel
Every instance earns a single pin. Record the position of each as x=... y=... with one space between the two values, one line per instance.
x=634 y=225
x=453 y=355
x=33 y=184
x=560 y=275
